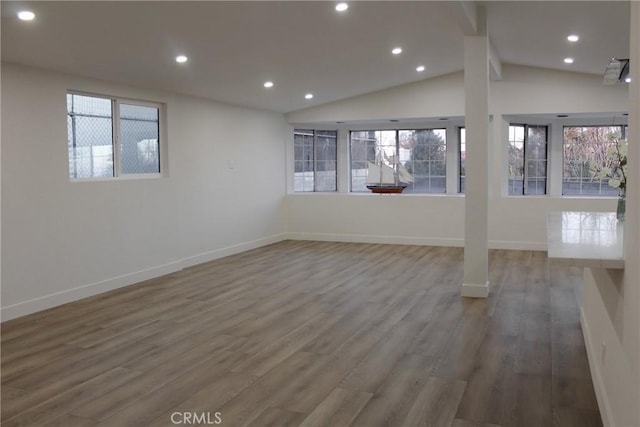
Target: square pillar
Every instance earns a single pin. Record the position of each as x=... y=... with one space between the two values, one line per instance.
x=476 y=88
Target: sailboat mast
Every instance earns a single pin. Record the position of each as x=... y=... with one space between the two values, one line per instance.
x=395 y=173
x=380 y=162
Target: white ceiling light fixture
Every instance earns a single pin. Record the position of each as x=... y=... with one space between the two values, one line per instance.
x=268 y=84
x=420 y=68
x=396 y=50
x=627 y=80
x=341 y=7
x=26 y=15
x=568 y=60
x=181 y=59
x=308 y=96
x=573 y=38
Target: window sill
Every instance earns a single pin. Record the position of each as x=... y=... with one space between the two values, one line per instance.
x=132 y=177
x=359 y=194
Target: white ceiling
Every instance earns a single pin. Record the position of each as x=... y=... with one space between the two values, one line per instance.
x=304 y=46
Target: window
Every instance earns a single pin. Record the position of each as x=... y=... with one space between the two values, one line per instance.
x=585 y=151
x=462 y=157
x=109 y=137
x=527 y=160
x=422 y=152
x=315 y=160
x=364 y=145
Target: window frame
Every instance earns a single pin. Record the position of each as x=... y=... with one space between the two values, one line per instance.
x=461 y=177
x=116 y=102
x=397 y=131
x=525 y=159
x=315 y=160
x=586 y=124
x=351 y=131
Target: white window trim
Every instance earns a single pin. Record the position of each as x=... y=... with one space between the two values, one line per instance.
x=116 y=101
x=449 y=190
x=315 y=129
x=555 y=148
x=344 y=153
x=526 y=124
x=499 y=128
x=582 y=123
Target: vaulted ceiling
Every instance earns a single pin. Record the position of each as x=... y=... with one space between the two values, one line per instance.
x=303 y=47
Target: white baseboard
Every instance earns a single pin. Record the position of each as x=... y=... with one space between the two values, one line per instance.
x=475 y=290
x=406 y=240
x=596 y=375
x=48 y=301
x=367 y=238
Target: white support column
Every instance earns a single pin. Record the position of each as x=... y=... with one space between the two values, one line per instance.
x=632 y=227
x=631 y=290
x=476 y=88
x=344 y=170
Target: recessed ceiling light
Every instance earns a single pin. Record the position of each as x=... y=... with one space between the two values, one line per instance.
x=397 y=50
x=268 y=84
x=308 y=96
x=420 y=68
x=181 y=59
x=26 y=15
x=627 y=80
x=443 y=118
x=573 y=38
x=568 y=60
x=562 y=116
x=394 y=120
x=341 y=7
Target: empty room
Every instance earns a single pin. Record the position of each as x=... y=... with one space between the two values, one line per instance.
x=318 y=213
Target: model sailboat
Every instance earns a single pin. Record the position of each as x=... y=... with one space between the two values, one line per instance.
x=383 y=178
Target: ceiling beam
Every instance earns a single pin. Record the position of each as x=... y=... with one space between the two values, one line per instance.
x=495 y=64
x=465 y=14
x=472 y=21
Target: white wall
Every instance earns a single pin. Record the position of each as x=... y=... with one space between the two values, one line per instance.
x=65 y=240
x=611 y=299
x=438 y=97
x=514 y=222
x=522 y=90
x=610 y=326
x=405 y=219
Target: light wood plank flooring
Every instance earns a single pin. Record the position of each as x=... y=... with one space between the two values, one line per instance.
x=311 y=334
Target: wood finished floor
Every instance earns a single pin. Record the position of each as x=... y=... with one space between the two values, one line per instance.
x=311 y=334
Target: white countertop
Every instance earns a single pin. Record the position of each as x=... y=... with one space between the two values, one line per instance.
x=587 y=239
